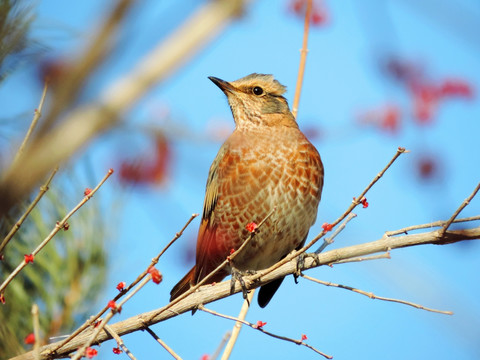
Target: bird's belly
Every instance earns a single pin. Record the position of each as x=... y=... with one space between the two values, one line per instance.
x=282 y=233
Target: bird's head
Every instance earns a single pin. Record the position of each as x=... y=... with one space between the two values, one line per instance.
x=257 y=100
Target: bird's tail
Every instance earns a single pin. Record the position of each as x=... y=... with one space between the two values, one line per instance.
x=183 y=285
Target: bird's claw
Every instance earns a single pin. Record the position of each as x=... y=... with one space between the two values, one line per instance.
x=238 y=275
x=300 y=267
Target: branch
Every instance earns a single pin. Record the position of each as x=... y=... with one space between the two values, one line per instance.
x=373 y=296
x=209 y=293
x=260 y=328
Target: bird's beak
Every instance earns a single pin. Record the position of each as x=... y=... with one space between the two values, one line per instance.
x=223 y=85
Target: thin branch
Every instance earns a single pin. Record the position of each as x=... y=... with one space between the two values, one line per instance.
x=93 y=319
x=303 y=59
x=81 y=351
x=385 y=255
x=56 y=229
x=36 y=331
x=329 y=240
x=36 y=116
x=260 y=328
x=430 y=225
x=460 y=208
x=373 y=296
x=161 y=342
x=210 y=293
x=119 y=341
x=220 y=346
x=43 y=189
x=238 y=326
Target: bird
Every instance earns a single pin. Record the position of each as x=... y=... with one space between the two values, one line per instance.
x=266 y=163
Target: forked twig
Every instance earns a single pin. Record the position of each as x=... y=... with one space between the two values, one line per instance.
x=43 y=189
x=327 y=241
x=373 y=296
x=430 y=225
x=161 y=342
x=260 y=328
x=56 y=229
x=460 y=208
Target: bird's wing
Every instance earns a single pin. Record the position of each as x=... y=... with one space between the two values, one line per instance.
x=206 y=244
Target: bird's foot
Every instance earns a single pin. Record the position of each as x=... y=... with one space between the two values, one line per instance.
x=300 y=266
x=237 y=275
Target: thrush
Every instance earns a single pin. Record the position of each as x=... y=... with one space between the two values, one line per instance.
x=266 y=163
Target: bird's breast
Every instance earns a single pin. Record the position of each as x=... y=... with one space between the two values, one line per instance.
x=259 y=174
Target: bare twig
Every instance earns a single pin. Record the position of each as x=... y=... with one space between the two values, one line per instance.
x=238 y=326
x=119 y=341
x=36 y=116
x=260 y=328
x=385 y=255
x=161 y=342
x=56 y=229
x=303 y=59
x=93 y=319
x=373 y=296
x=429 y=225
x=101 y=325
x=36 y=331
x=220 y=346
x=329 y=240
x=43 y=189
x=460 y=208
x=208 y=294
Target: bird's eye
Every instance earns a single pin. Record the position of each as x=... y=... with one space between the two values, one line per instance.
x=257 y=90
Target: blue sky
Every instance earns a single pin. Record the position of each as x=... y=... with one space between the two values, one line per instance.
x=342 y=78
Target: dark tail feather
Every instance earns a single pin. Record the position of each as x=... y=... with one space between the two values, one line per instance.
x=267 y=291
x=183 y=285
